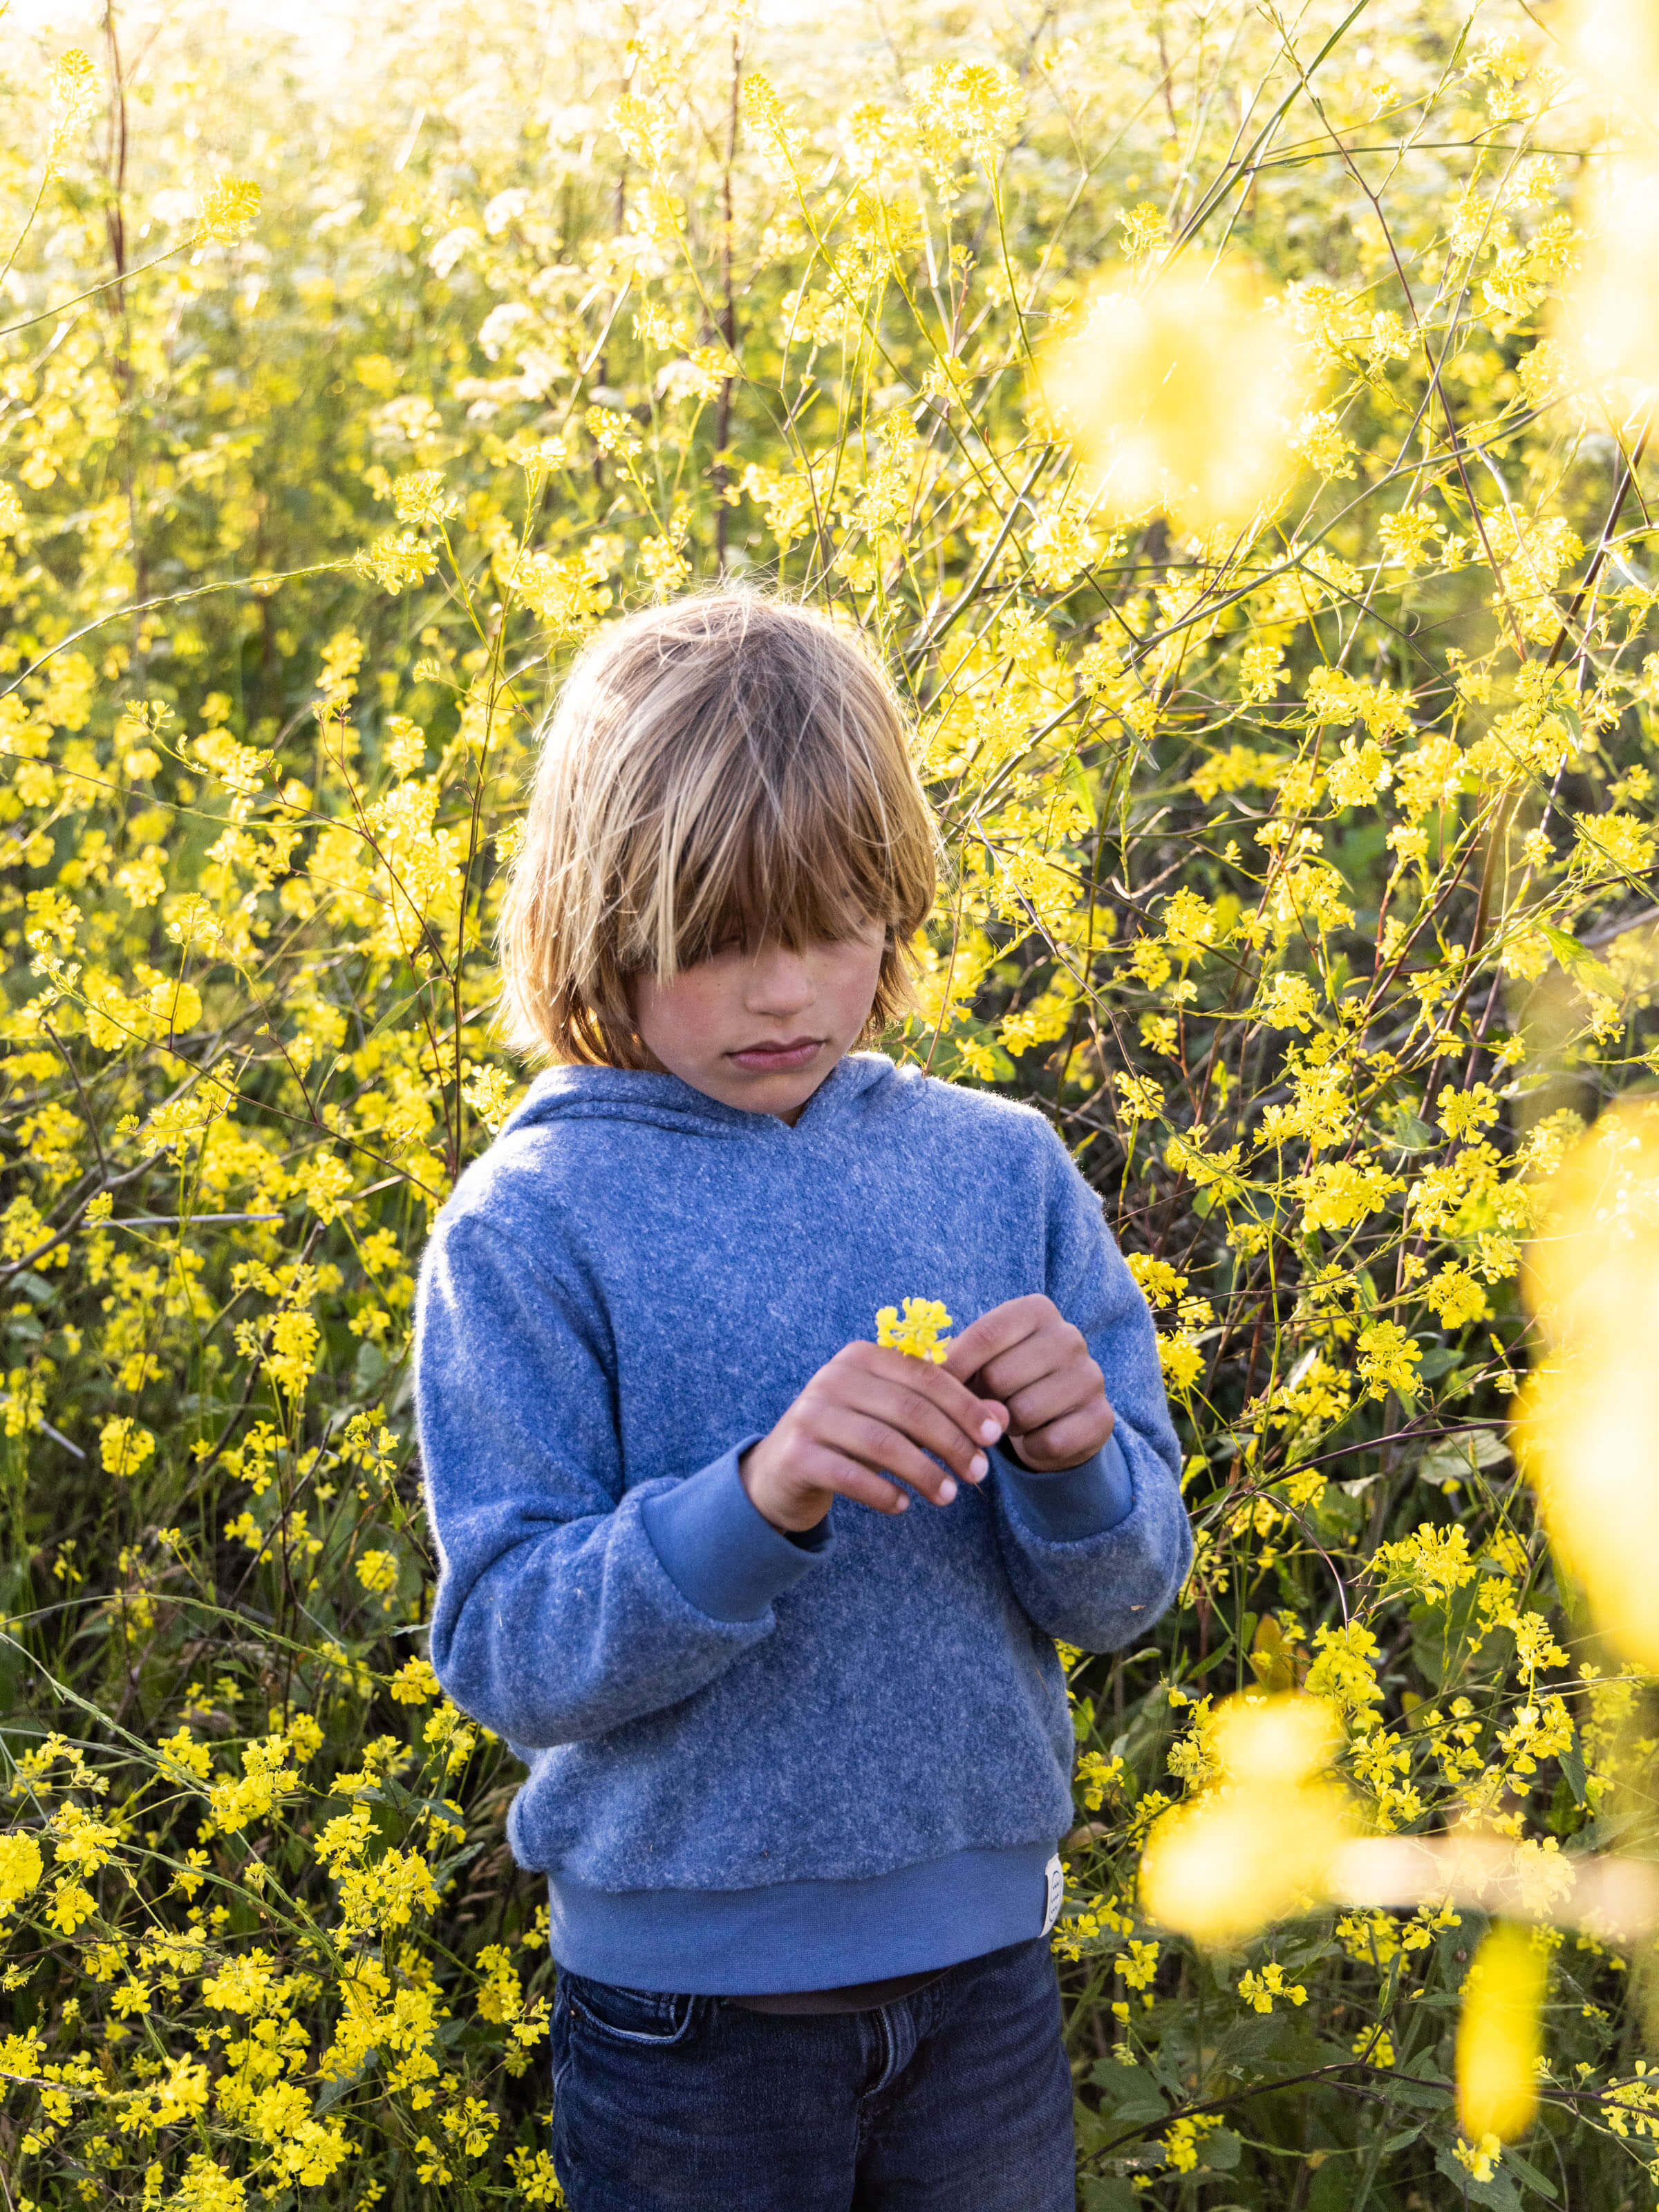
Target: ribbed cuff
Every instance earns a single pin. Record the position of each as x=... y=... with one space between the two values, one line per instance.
x=1077 y=1503
x=722 y=1553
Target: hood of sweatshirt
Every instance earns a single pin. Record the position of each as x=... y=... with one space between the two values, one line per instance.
x=664 y=1102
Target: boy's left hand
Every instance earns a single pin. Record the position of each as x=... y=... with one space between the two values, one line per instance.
x=1027 y=1355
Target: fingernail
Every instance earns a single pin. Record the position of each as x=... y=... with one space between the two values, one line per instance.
x=947 y=1491
x=989 y=1431
x=903 y=1505
x=978 y=1467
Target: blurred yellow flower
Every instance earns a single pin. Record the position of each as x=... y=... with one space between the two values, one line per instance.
x=1610 y=311
x=229 y=210
x=1259 y=1842
x=1185 y=395
x=1498 y=2034
x=1586 y=1419
x=1617 y=42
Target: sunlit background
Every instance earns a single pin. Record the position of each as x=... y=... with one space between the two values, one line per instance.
x=1233 y=428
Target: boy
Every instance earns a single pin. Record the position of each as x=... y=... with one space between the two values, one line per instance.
x=769 y=1610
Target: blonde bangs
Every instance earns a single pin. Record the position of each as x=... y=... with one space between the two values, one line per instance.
x=728 y=763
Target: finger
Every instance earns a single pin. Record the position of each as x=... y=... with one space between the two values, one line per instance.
x=878 y=1445
x=1053 y=1397
x=1067 y=1441
x=828 y=1469
x=1004 y=1326
x=1044 y=1353
x=966 y=1408
x=916 y=1414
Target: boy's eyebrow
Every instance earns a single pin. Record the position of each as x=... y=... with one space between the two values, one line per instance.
x=828 y=916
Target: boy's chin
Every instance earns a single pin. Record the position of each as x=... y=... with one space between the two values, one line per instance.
x=772 y=1091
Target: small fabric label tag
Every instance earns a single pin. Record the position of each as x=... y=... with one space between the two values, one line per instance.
x=1054 y=1876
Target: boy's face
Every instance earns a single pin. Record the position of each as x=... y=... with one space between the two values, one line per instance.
x=757 y=1026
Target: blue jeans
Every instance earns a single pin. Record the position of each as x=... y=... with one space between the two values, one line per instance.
x=958 y=2095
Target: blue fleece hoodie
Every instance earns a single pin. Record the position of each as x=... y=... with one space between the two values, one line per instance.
x=759 y=1763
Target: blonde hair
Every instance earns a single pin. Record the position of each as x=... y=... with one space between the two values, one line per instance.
x=726 y=759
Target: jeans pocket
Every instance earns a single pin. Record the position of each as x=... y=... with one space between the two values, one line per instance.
x=641 y=2018
x=560 y=2037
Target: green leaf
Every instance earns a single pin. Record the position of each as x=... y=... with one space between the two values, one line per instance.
x=1573 y=1770
x=390 y=1791
x=370 y=1370
x=1439 y=1359
x=1221 y=2150
x=1104 y=2192
x=1412 y=1134
x=1606 y=1827
x=1564 y=1816
x=1576 y=958
x=1529 y=2174
x=1132 y=2092
x=1332 y=2187
x=1084 y=790
x=1093 y=2130
x=1406 y=2090
x=1399 y=2141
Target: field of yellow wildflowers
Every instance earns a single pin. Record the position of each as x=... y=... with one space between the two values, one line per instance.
x=1232 y=421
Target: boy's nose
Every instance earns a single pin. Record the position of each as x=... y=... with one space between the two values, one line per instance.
x=780 y=982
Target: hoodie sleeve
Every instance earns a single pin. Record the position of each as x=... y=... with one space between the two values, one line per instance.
x=567 y=1603
x=1097 y=1553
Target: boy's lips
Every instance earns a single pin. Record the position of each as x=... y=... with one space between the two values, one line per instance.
x=772 y=1058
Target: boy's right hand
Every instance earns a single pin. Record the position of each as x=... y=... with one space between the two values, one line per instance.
x=870 y=1411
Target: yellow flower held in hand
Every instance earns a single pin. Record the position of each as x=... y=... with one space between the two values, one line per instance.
x=1499 y=2035
x=919 y=1335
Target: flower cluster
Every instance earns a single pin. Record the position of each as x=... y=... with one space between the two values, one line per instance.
x=920 y=1333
